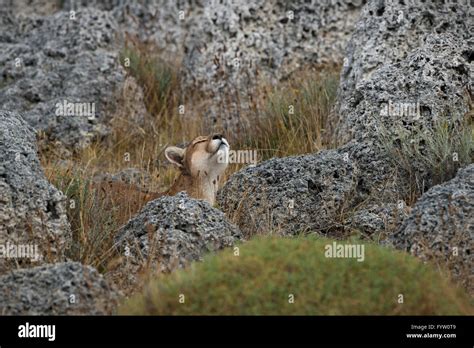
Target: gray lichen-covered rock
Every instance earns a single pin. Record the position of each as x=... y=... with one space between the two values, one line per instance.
x=32 y=211
x=164 y=23
x=378 y=220
x=56 y=289
x=308 y=193
x=62 y=72
x=429 y=85
x=405 y=52
x=172 y=231
x=290 y=195
x=441 y=226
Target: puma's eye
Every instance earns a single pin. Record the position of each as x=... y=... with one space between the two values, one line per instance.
x=197 y=142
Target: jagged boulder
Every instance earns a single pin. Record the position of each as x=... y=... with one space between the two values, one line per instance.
x=33 y=7
x=430 y=84
x=164 y=23
x=408 y=73
x=32 y=211
x=375 y=219
x=283 y=195
x=441 y=226
x=405 y=52
x=56 y=289
x=308 y=193
x=170 y=232
x=63 y=73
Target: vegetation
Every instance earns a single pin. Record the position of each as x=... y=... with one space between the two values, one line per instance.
x=261 y=280
x=294 y=116
x=430 y=156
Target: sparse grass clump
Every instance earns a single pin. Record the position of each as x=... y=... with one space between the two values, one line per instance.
x=261 y=280
x=293 y=117
x=157 y=77
x=95 y=214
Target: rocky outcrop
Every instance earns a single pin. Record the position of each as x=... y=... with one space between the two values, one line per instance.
x=32 y=211
x=164 y=23
x=170 y=232
x=60 y=289
x=428 y=85
x=62 y=73
x=441 y=226
x=283 y=195
x=323 y=189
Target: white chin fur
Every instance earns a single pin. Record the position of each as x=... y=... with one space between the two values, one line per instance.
x=222 y=156
x=216 y=143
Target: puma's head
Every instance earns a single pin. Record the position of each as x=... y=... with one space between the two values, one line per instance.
x=202 y=164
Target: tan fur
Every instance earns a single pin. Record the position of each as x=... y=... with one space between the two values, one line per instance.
x=199 y=166
x=200 y=173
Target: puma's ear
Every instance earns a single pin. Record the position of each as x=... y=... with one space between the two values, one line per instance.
x=175 y=155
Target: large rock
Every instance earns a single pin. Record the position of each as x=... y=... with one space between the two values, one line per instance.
x=378 y=220
x=408 y=69
x=60 y=289
x=441 y=226
x=170 y=232
x=428 y=85
x=405 y=52
x=48 y=61
x=32 y=211
x=164 y=23
x=308 y=193
x=290 y=195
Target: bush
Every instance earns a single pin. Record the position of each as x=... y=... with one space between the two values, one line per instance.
x=260 y=280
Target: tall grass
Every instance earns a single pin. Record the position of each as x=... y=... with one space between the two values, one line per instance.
x=294 y=115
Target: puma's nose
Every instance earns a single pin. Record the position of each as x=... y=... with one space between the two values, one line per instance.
x=217 y=137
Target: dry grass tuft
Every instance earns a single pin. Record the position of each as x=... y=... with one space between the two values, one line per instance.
x=432 y=156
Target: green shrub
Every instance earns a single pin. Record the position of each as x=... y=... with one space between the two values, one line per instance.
x=260 y=280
